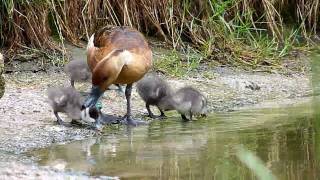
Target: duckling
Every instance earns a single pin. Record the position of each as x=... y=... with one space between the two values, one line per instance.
x=68 y=100
x=152 y=89
x=119 y=55
x=78 y=71
x=187 y=101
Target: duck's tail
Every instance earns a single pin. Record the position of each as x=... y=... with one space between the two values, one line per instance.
x=90 y=42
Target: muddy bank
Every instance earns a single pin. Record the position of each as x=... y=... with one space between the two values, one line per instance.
x=14 y=170
x=27 y=122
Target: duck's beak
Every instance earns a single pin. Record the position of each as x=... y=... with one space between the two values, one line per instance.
x=93 y=97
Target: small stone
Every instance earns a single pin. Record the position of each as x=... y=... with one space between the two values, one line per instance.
x=253 y=86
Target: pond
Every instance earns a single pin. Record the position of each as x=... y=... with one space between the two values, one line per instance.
x=286 y=140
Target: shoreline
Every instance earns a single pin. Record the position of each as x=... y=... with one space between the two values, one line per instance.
x=30 y=124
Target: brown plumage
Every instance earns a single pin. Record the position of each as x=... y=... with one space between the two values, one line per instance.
x=119 y=55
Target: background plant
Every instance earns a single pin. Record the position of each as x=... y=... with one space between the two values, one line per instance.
x=253 y=32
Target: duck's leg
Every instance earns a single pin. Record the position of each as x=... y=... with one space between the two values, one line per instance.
x=72 y=82
x=184 y=117
x=59 y=120
x=162 y=115
x=150 y=114
x=120 y=89
x=127 y=117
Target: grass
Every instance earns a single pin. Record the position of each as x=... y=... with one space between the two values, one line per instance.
x=233 y=32
x=179 y=64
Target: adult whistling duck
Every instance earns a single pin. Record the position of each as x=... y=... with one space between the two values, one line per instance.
x=152 y=89
x=119 y=55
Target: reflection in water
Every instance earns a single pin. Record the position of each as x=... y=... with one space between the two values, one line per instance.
x=285 y=139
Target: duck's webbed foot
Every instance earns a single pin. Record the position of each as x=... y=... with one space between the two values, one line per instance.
x=72 y=83
x=76 y=123
x=128 y=120
x=162 y=115
x=60 y=121
x=184 y=117
x=151 y=115
x=120 y=89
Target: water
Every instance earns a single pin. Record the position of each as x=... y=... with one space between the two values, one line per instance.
x=285 y=139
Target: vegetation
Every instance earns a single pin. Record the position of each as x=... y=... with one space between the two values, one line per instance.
x=250 y=32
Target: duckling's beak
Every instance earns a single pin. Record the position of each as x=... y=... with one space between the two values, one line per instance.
x=93 y=97
x=203 y=115
x=98 y=124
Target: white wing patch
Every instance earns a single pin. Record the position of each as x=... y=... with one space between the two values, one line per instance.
x=126 y=57
x=90 y=42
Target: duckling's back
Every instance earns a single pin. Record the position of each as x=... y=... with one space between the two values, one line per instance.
x=65 y=99
x=188 y=99
x=152 y=89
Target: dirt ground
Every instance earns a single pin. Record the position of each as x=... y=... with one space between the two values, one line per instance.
x=27 y=121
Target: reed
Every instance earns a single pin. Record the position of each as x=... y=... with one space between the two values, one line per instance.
x=248 y=31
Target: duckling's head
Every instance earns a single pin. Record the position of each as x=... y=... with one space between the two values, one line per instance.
x=92 y=115
x=166 y=103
